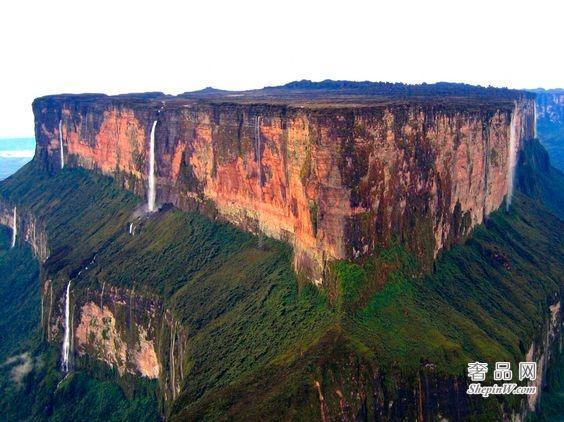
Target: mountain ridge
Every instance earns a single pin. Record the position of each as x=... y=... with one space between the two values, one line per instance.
x=319 y=178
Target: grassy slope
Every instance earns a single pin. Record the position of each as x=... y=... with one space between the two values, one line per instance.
x=19 y=295
x=257 y=341
x=539 y=180
x=486 y=300
x=241 y=304
x=74 y=203
x=81 y=213
x=483 y=298
x=36 y=396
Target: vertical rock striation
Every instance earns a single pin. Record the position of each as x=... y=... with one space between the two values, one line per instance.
x=550 y=117
x=28 y=229
x=336 y=179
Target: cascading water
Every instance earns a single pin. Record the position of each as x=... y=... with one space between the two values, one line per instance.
x=15 y=228
x=258 y=154
x=535 y=120
x=512 y=159
x=66 y=341
x=151 y=195
x=61 y=144
x=131 y=229
x=258 y=151
x=102 y=295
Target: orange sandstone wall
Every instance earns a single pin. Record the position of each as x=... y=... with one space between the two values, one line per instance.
x=334 y=182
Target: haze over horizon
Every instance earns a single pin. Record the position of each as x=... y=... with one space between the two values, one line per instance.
x=178 y=47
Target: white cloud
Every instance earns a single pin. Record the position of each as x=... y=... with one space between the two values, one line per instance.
x=17 y=154
x=175 y=46
x=23 y=367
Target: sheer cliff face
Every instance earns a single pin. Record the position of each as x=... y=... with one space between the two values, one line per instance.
x=128 y=331
x=334 y=182
x=550 y=124
x=28 y=229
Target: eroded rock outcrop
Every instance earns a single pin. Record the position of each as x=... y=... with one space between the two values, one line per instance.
x=28 y=229
x=541 y=352
x=99 y=336
x=127 y=331
x=336 y=180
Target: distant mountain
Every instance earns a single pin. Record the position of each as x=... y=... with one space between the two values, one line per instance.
x=550 y=123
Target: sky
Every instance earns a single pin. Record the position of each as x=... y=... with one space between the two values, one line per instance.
x=120 y=46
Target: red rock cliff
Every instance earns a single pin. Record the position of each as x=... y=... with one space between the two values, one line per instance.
x=336 y=179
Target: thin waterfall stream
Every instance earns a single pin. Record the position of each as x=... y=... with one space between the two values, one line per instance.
x=151 y=195
x=61 y=144
x=512 y=160
x=66 y=340
x=15 y=227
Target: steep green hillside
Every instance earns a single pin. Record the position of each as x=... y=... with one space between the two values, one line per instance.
x=262 y=346
x=487 y=301
x=19 y=295
x=539 y=180
x=29 y=375
x=241 y=303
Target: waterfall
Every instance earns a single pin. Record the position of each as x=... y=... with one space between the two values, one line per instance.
x=151 y=195
x=258 y=151
x=102 y=295
x=15 y=228
x=172 y=377
x=535 y=120
x=258 y=154
x=512 y=159
x=61 y=144
x=66 y=341
x=131 y=229
x=50 y=309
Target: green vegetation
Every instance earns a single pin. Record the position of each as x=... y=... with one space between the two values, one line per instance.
x=240 y=304
x=539 y=180
x=487 y=300
x=29 y=375
x=81 y=397
x=258 y=342
x=552 y=403
x=81 y=213
x=19 y=295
